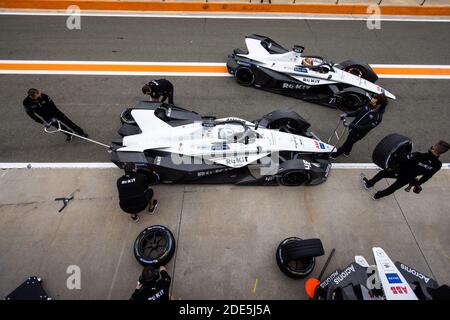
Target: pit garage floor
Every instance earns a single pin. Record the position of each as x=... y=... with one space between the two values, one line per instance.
x=226 y=235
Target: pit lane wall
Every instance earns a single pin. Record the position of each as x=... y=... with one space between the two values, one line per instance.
x=389 y=7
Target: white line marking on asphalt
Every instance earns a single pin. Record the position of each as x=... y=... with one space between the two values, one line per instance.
x=118 y=73
x=187 y=74
x=110 y=165
x=139 y=63
x=253 y=16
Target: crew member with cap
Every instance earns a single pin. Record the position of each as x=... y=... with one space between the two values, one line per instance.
x=153 y=285
x=423 y=165
x=159 y=90
x=41 y=108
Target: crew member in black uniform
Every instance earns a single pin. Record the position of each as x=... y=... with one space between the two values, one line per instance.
x=135 y=193
x=159 y=89
x=153 y=285
x=416 y=164
x=41 y=108
x=366 y=118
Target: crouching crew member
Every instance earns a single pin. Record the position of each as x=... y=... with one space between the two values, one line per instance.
x=159 y=89
x=153 y=285
x=41 y=108
x=135 y=193
x=366 y=119
x=417 y=164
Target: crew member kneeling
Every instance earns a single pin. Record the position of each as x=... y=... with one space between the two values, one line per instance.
x=159 y=89
x=135 y=193
x=417 y=164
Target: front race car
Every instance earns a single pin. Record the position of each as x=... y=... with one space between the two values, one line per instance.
x=181 y=146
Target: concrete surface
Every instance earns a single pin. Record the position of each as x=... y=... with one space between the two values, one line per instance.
x=94 y=102
x=226 y=235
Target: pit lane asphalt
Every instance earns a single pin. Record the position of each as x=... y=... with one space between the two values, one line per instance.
x=94 y=102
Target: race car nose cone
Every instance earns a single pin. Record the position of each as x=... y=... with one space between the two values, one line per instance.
x=310 y=287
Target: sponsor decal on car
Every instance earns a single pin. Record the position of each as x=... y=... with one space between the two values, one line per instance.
x=301 y=69
x=236 y=160
x=243 y=63
x=319 y=145
x=310 y=80
x=295 y=86
x=414 y=272
x=393 y=278
x=220 y=147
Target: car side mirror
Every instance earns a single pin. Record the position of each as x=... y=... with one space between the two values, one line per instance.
x=298 y=49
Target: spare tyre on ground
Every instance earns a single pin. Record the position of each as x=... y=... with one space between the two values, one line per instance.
x=296 y=257
x=391 y=151
x=154 y=246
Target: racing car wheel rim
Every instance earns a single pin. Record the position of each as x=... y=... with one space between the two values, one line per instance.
x=126 y=117
x=394 y=160
x=154 y=246
x=295 y=178
x=294 y=268
x=351 y=101
x=244 y=76
x=357 y=71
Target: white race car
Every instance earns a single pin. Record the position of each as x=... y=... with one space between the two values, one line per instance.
x=183 y=147
x=267 y=65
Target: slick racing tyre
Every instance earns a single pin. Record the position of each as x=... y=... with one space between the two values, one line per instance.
x=391 y=151
x=126 y=117
x=360 y=69
x=154 y=246
x=296 y=257
x=295 y=178
x=152 y=177
x=244 y=76
x=352 y=99
x=285 y=121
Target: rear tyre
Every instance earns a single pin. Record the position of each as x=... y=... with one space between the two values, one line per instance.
x=391 y=151
x=285 y=121
x=244 y=76
x=295 y=178
x=154 y=246
x=296 y=257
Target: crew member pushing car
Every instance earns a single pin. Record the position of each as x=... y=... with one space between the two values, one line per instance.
x=159 y=89
x=135 y=193
x=41 y=108
x=153 y=285
x=366 y=119
x=416 y=164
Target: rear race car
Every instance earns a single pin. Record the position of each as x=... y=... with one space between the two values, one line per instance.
x=268 y=66
x=182 y=146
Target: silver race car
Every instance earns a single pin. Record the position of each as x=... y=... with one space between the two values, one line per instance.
x=268 y=66
x=181 y=146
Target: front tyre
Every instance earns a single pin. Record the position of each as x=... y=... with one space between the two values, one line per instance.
x=244 y=76
x=352 y=100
